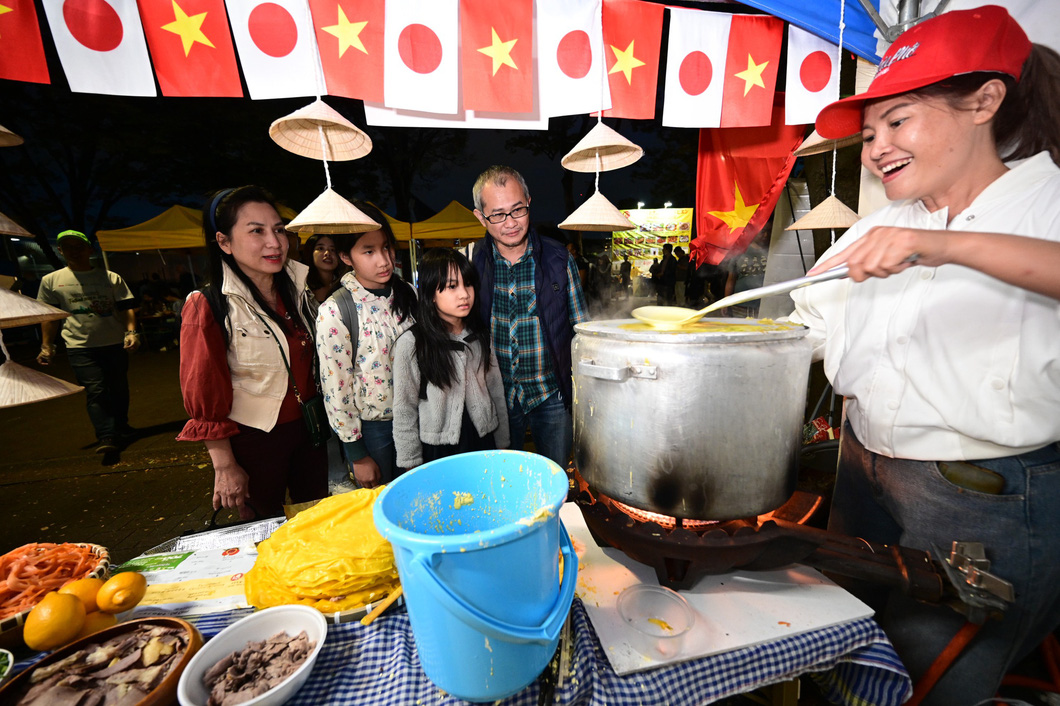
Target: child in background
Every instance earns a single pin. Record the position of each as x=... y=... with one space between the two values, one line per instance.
x=448 y=393
x=356 y=374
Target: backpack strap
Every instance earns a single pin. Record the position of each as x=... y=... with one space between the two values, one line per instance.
x=348 y=313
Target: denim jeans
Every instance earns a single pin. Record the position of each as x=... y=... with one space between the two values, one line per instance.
x=379 y=438
x=896 y=501
x=551 y=427
x=104 y=373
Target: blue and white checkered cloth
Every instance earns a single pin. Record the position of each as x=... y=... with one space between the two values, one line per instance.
x=853 y=663
x=378 y=665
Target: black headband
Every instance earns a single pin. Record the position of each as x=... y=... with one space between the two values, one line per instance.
x=211 y=214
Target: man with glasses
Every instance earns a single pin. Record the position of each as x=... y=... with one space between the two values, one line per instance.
x=532 y=294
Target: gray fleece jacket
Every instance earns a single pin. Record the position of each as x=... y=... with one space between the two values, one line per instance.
x=437 y=419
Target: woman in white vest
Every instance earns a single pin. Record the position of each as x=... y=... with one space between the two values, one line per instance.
x=247 y=360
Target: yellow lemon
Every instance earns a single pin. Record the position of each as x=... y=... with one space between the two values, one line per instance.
x=96 y=621
x=121 y=592
x=86 y=590
x=53 y=622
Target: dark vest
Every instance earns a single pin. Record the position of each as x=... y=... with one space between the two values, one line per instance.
x=550 y=282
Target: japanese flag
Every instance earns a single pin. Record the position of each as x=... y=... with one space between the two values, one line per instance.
x=101 y=46
x=571 y=71
x=812 y=78
x=695 y=68
x=421 y=55
x=276 y=48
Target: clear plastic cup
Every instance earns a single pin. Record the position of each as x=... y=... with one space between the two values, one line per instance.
x=657 y=618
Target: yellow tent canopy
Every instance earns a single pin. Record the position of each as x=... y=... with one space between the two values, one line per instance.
x=452 y=223
x=177 y=227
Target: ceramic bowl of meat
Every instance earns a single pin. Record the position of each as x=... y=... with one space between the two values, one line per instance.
x=145 y=655
x=227 y=658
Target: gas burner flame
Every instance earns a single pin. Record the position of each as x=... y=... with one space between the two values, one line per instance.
x=664 y=521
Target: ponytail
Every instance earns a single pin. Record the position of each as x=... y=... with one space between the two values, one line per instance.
x=1027 y=122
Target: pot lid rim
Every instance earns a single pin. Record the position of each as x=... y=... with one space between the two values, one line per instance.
x=770 y=332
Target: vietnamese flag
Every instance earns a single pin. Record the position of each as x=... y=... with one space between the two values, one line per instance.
x=21 y=48
x=632 y=41
x=740 y=175
x=751 y=70
x=496 y=55
x=192 y=48
x=350 y=40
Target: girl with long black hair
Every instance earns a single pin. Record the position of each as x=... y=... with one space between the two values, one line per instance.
x=356 y=365
x=448 y=392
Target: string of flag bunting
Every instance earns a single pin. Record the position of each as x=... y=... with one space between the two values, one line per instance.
x=457 y=63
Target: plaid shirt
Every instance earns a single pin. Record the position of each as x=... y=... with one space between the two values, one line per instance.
x=518 y=341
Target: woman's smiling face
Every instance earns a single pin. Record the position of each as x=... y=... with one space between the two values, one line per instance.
x=258 y=241
x=917 y=146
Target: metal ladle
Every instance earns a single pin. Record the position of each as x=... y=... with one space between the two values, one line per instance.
x=674 y=317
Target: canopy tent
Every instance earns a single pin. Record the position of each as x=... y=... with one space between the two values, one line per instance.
x=453 y=223
x=176 y=227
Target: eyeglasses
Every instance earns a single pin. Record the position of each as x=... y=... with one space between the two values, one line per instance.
x=515 y=213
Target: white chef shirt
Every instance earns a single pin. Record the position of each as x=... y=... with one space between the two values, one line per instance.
x=947 y=363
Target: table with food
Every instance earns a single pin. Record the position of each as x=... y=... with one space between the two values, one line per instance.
x=472 y=578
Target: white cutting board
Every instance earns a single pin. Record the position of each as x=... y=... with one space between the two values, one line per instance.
x=732 y=610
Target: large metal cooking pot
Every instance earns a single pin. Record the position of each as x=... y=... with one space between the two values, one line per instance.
x=702 y=423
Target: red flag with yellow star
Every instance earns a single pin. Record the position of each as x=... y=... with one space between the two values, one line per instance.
x=191 y=46
x=751 y=70
x=740 y=175
x=496 y=47
x=632 y=40
x=21 y=49
x=350 y=38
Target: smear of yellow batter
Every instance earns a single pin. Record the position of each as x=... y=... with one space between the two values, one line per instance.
x=461 y=499
x=661 y=624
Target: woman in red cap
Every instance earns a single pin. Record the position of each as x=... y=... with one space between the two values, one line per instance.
x=946 y=339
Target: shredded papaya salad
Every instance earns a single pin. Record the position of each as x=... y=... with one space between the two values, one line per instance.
x=30 y=571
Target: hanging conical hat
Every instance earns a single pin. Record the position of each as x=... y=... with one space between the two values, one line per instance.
x=815 y=144
x=8 y=138
x=597 y=214
x=9 y=227
x=22 y=385
x=19 y=310
x=830 y=213
x=299 y=133
x=615 y=151
x=330 y=213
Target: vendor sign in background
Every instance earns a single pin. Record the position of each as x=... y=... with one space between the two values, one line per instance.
x=655 y=227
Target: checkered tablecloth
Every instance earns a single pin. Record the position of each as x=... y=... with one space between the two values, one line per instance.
x=853 y=663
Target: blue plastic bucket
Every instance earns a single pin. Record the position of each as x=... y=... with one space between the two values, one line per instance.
x=476 y=540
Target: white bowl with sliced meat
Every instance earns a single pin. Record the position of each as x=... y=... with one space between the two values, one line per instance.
x=261 y=660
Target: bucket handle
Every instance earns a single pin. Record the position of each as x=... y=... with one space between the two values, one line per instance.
x=497 y=629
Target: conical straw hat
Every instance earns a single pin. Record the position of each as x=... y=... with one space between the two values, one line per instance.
x=9 y=227
x=615 y=151
x=815 y=144
x=8 y=138
x=22 y=385
x=299 y=133
x=330 y=213
x=597 y=214
x=19 y=310
x=830 y=213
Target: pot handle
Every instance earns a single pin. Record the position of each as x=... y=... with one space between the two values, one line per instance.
x=499 y=629
x=588 y=368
